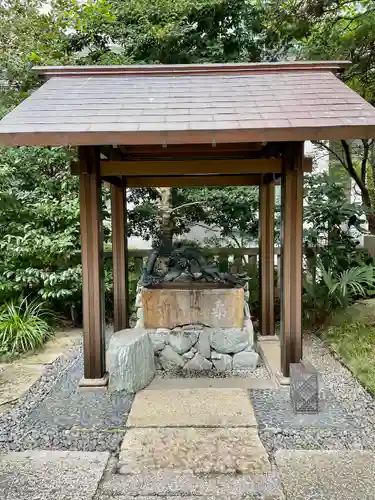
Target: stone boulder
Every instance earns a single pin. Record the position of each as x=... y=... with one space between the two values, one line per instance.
x=131 y=360
x=182 y=340
x=203 y=344
x=228 y=340
x=249 y=328
x=188 y=355
x=170 y=360
x=222 y=362
x=159 y=340
x=198 y=364
x=247 y=360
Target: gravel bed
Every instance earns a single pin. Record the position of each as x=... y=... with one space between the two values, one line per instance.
x=260 y=373
x=55 y=415
x=346 y=418
x=10 y=420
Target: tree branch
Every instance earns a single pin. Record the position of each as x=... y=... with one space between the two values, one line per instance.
x=352 y=172
x=188 y=205
x=366 y=150
x=330 y=150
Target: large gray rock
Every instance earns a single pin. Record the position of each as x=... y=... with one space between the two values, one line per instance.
x=131 y=360
x=247 y=360
x=198 y=363
x=188 y=355
x=158 y=340
x=195 y=326
x=203 y=344
x=248 y=327
x=182 y=340
x=228 y=340
x=223 y=362
x=170 y=360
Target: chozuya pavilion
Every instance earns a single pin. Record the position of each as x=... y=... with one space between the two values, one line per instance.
x=189 y=125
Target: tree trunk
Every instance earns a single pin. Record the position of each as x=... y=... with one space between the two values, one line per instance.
x=371 y=223
x=166 y=232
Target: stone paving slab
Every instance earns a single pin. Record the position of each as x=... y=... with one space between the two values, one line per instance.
x=200 y=450
x=327 y=475
x=46 y=475
x=192 y=408
x=250 y=496
x=16 y=378
x=160 y=383
x=174 y=484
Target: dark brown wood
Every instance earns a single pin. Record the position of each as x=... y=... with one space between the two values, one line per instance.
x=117 y=181
x=266 y=257
x=312 y=130
x=92 y=263
x=119 y=257
x=196 y=167
x=190 y=69
x=291 y=256
x=215 y=180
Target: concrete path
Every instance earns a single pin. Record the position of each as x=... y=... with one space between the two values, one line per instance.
x=51 y=475
x=189 y=444
x=17 y=377
x=327 y=475
x=176 y=435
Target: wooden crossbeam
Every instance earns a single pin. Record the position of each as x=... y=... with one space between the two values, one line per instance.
x=113 y=168
x=191 y=167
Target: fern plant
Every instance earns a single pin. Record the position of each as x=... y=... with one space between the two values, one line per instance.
x=24 y=326
x=355 y=282
x=335 y=289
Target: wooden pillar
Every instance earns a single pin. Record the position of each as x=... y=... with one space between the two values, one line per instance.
x=291 y=255
x=266 y=257
x=119 y=257
x=92 y=267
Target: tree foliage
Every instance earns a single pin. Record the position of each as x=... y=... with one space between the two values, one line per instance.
x=336 y=30
x=336 y=271
x=169 y=32
x=39 y=225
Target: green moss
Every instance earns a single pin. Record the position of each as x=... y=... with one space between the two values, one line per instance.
x=362 y=312
x=354 y=344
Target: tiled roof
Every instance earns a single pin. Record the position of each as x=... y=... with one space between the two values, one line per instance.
x=81 y=106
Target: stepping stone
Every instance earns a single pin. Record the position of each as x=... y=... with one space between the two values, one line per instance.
x=327 y=475
x=174 y=485
x=192 y=408
x=200 y=450
x=46 y=475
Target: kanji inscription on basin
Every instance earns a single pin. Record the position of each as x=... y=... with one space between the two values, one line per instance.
x=217 y=308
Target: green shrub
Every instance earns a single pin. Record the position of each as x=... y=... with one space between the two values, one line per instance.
x=24 y=326
x=332 y=290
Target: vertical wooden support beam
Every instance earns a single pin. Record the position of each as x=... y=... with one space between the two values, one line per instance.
x=266 y=257
x=291 y=255
x=119 y=257
x=92 y=267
